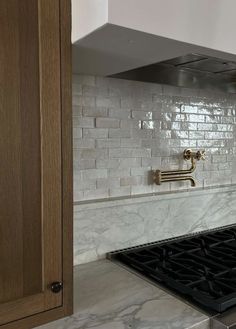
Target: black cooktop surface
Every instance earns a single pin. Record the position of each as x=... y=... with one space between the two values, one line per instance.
x=202 y=268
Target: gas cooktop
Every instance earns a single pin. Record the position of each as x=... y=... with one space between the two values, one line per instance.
x=201 y=268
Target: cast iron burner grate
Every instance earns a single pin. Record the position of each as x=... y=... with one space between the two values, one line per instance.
x=201 y=268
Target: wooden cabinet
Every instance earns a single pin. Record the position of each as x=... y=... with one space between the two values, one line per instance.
x=35 y=162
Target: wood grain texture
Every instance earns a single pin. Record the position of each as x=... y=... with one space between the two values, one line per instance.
x=55 y=163
x=50 y=103
x=11 y=224
x=30 y=141
x=36 y=320
x=67 y=156
x=20 y=150
x=19 y=309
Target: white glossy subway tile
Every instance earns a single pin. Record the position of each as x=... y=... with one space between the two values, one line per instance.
x=107 y=123
x=129 y=127
x=95 y=112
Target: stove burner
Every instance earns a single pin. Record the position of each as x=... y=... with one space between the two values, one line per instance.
x=202 y=268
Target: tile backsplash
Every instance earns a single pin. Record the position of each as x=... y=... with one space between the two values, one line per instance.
x=124 y=129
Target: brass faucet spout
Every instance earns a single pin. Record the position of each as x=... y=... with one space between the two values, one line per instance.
x=179 y=178
x=180 y=172
x=160 y=176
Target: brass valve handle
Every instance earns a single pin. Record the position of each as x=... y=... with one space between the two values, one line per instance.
x=199 y=155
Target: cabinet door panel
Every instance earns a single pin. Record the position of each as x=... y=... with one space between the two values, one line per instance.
x=30 y=157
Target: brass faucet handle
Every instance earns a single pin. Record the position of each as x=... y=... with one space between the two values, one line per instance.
x=201 y=155
x=188 y=154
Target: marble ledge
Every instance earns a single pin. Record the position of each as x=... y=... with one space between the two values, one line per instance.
x=108 y=226
x=135 y=199
x=108 y=296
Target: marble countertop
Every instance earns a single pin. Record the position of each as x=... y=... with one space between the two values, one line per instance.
x=107 y=296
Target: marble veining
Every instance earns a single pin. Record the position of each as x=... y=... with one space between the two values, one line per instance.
x=107 y=296
x=101 y=229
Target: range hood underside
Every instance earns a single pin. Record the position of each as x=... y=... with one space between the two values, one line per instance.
x=190 y=71
x=124 y=53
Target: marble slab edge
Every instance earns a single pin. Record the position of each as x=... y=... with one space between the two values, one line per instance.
x=144 y=198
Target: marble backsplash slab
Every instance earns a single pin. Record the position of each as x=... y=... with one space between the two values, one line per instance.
x=101 y=227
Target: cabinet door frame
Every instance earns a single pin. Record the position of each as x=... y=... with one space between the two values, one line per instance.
x=67 y=181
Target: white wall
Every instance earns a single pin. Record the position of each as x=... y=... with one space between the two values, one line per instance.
x=87 y=16
x=207 y=23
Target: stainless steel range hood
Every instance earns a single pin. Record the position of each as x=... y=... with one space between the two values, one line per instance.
x=120 y=52
x=182 y=43
x=191 y=71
